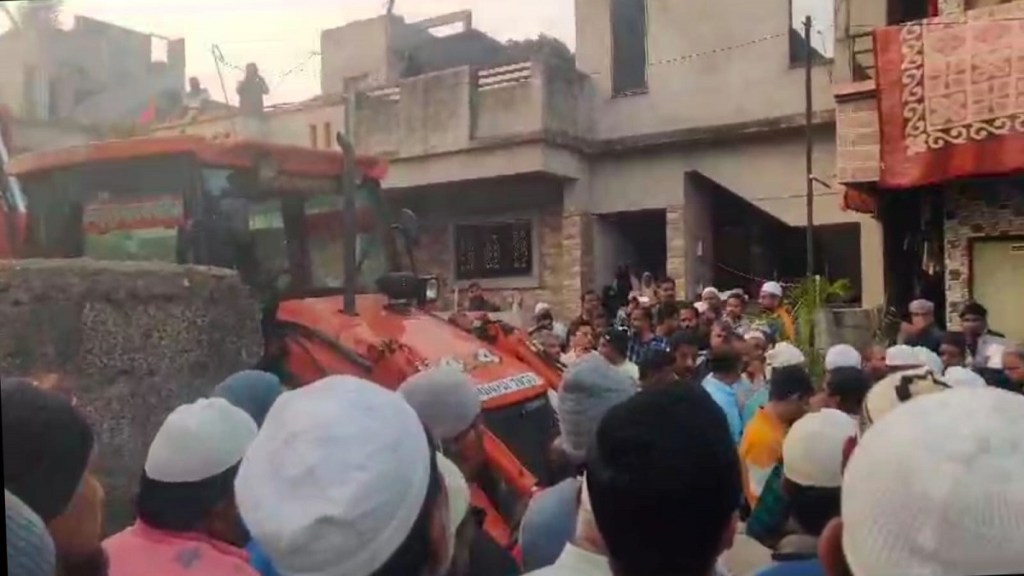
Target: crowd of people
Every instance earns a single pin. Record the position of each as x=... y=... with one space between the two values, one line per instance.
x=680 y=426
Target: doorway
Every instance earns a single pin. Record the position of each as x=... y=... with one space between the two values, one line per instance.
x=997 y=269
x=636 y=238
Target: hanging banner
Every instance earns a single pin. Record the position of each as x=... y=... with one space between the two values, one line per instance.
x=105 y=216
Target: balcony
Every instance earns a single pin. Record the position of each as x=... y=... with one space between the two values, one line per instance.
x=444 y=112
x=463 y=109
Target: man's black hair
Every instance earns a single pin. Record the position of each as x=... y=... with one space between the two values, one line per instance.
x=725 y=359
x=475 y=284
x=653 y=360
x=956 y=340
x=181 y=507
x=575 y=326
x=685 y=305
x=737 y=296
x=664 y=482
x=668 y=310
x=812 y=508
x=687 y=337
x=618 y=340
x=668 y=280
x=583 y=297
x=974 y=309
x=850 y=385
x=413 y=555
x=647 y=313
x=788 y=382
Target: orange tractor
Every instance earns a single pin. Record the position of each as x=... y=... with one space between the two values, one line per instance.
x=310 y=232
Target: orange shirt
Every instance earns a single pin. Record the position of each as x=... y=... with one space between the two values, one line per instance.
x=760 y=450
x=788 y=326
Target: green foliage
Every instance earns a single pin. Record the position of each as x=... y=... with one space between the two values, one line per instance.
x=806 y=300
x=544 y=48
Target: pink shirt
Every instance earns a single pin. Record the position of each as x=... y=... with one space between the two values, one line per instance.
x=144 y=551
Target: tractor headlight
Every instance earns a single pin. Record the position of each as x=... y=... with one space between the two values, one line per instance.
x=431 y=289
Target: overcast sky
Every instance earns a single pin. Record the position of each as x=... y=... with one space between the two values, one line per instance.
x=823 y=19
x=280 y=34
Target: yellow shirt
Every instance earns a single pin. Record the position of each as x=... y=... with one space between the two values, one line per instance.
x=760 y=450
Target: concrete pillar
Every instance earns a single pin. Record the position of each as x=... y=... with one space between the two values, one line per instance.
x=872 y=274
x=675 y=245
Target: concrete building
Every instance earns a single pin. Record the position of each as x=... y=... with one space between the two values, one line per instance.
x=60 y=83
x=955 y=230
x=682 y=153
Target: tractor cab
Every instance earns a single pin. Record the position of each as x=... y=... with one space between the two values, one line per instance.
x=271 y=212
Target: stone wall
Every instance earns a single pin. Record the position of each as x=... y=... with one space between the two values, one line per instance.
x=131 y=341
x=973 y=212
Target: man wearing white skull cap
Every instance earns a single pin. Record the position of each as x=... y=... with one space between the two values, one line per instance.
x=343 y=480
x=780 y=319
x=447 y=402
x=188 y=522
x=917 y=499
x=842 y=356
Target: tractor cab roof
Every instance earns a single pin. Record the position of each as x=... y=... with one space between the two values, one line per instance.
x=288 y=159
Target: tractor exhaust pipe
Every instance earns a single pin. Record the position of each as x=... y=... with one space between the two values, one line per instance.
x=348 y=194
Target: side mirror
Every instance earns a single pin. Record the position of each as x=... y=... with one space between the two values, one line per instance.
x=409 y=225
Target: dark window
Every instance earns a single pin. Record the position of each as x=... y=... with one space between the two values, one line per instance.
x=629 y=46
x=823 y=23
x=493 y=250
x=900 y=11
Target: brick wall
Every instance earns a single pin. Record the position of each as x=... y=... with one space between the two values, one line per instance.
x=857 y=136
x=974 y=212
x=675 y=247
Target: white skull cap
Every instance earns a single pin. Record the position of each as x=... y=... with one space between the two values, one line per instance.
x=935 y=487
x=336 y=479
x=199 y=441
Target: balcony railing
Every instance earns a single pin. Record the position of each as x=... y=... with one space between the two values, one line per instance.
x=862 y=56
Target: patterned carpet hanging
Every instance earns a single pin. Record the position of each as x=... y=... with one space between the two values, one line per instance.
x=951 y=96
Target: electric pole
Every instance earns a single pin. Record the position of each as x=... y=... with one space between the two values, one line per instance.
x=808 y=120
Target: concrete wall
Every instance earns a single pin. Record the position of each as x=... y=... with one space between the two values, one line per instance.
x=286 y=126
x=744 y=84
x=356 y=49
x=766 y=171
